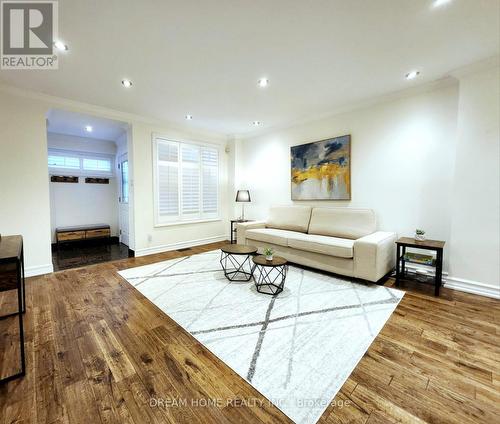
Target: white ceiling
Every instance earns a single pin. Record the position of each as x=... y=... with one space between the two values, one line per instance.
x=205 y=57
x=71 y=123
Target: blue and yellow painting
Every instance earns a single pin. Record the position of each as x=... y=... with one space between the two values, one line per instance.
x=322 y=170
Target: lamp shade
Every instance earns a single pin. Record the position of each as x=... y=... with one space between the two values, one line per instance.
x=243 y=196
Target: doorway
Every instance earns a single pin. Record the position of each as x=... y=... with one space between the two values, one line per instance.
x=89 y=171
x=123 y=199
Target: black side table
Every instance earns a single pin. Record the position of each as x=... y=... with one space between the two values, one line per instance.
x=235 y=260
x=12 y=252
x=270 y=275
x=233 y=228
x=433 y=245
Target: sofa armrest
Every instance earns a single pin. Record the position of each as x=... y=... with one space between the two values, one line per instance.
x=374 y=255
x=242 y=227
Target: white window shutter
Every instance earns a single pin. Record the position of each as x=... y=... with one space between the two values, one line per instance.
x=190 y=191
x=210 y=181
x=168 y=180
x=187 y=181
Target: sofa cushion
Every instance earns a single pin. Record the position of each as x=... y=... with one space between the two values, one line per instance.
x=332 y=246
x=342 y=222
x=294 y=218
x=269 y=235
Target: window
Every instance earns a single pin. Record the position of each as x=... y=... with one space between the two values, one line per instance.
x=102 y=165
x=63 y=162
x=124 y=184
x=186 y=181
x=80 y=163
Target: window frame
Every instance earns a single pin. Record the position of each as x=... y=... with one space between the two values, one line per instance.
x=54 y=170
x=179 y=219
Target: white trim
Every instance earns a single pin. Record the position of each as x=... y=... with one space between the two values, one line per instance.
x=473 y=287
x=461 y=284
x=180 y=245
x=31 y=271
x=197 y=221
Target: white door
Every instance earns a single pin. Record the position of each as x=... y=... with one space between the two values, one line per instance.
x=123 y=175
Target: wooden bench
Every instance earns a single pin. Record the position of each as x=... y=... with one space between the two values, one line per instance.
x=82 y=232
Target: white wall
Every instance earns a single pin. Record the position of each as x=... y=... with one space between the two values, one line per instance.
x=475 y=245
x=83 y=204
x=401 y=154
x=24 y=182
x=428 y=160
x=148 y=238
x=24 y=187
x=81 y=144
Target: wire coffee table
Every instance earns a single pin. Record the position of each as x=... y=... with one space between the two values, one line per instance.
x=236 y=262
x=270 y=276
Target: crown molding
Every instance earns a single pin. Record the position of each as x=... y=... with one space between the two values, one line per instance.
x=446 y=81
x=105 y=112
x=482 y=65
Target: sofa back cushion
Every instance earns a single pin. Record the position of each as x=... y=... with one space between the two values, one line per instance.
x=294 y=218
x=342 y=222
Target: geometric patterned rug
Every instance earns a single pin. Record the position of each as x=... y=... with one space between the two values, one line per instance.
x=296 y=348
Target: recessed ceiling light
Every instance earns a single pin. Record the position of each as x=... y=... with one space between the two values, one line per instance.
x=256 y=123
x=439 y=3
x=126 y=83
x=263 y=82
x=59 y=45
x=189 y=117
x=88 y=128
x=411 y=75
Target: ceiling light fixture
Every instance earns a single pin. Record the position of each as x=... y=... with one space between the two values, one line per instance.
x=411 y=75
x=256 y=123
x=439 y=3
x=189 y=117
x=263 y=82
x=59 y=45
x=88 y=128
x=127 y=83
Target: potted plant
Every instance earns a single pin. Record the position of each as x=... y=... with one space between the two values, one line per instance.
x=419 y=235
x=268 y=252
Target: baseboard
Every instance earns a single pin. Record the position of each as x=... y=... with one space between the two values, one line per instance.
x=473 y=287
x=175 y=246
x=461 y=284
x=31 y=271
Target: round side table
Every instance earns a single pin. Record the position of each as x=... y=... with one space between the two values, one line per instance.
x=270 y=276
x=235 y=260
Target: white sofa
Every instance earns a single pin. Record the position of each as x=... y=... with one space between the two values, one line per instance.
x=340 y=240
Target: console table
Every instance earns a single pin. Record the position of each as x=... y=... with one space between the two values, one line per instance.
x=12 y=253
x=433 y=245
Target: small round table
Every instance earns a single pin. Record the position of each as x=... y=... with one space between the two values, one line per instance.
x=270 y=276
x=236 y=263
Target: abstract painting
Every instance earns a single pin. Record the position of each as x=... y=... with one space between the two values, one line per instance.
x=322 y=170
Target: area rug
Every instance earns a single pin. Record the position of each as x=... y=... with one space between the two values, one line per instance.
x=296 y=348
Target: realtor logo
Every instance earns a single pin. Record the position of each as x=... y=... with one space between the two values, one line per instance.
x=28 y=33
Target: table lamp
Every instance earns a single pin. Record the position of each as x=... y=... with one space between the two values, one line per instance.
x=242 y=196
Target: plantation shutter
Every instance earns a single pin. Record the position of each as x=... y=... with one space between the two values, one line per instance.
x=186 y=181
x=168 y=179
x=210 y=177
x=190 y=192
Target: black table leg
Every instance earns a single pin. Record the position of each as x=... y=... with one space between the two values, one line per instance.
x=439 y=272
x=24 y=286
x=397 y=265
x=20 y=302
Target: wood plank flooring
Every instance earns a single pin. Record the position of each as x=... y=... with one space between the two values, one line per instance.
x=98 y=351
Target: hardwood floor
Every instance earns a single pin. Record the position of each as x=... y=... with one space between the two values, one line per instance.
x=98 y=351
